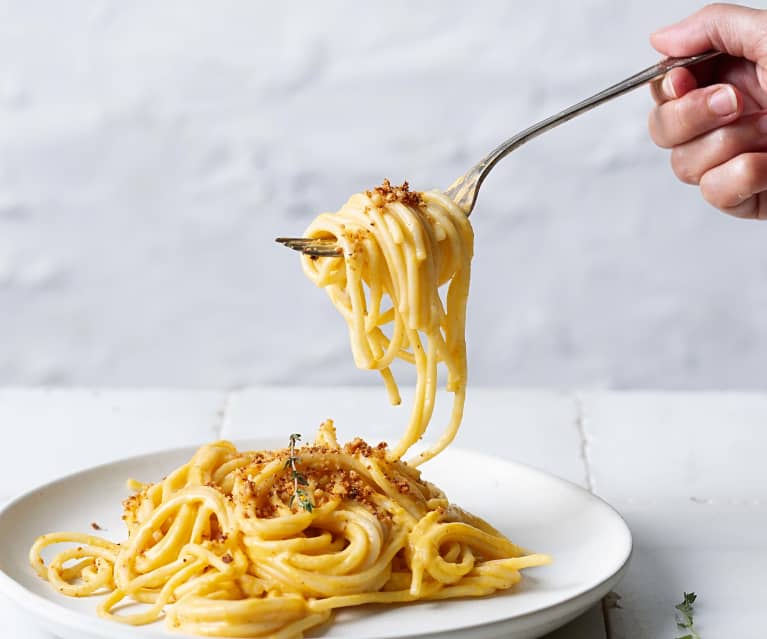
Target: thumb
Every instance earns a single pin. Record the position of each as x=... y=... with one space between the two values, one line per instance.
x=738 y=31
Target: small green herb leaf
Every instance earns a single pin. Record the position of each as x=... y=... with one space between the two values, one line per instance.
x=684 y=617
x=298 y=478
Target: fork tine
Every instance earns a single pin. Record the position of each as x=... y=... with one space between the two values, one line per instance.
x=312 y=246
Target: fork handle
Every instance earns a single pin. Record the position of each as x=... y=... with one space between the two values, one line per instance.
x=464 y=190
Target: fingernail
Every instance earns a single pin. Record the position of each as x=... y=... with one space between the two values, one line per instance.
x=761 y=124
x=723 y=101
x=668 y=87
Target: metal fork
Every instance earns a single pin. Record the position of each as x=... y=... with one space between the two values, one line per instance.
x=465 y=189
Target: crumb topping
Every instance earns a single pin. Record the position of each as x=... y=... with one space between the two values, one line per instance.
x=387 y=193
x=356 y=471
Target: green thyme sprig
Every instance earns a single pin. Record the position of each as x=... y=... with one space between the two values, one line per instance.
x=684 y=617
x=299 y=480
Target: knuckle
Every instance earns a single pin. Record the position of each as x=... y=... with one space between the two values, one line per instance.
x=682 y=118
x=656 y=128
x=681 y=165
x=713 y=193
x=711 y=196
x=730 y=186
x=743 y=170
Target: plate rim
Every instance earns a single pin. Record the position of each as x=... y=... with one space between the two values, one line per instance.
x=41 y=607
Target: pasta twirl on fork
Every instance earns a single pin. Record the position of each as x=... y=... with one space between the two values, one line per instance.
x=269 y=543
x=399 y=248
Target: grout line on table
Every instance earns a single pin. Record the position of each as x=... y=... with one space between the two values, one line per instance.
x=218 y=426
x=585 y=449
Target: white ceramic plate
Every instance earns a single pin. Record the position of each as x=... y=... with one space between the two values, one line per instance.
x=588 y=540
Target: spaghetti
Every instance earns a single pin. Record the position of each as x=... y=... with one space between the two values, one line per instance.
x=219 y=548
x=269 y=543
x=399 y=248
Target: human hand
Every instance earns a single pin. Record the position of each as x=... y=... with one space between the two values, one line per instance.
x=713 y=117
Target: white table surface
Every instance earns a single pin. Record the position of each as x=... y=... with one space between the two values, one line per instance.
x=686 y=469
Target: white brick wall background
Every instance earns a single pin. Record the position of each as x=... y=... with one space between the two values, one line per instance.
x=151 y=151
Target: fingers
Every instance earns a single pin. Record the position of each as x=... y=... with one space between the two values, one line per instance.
x=702 y=110
x=738 y=186
x=736 y=30
x=714 y=146
x=692 y=160
x=673 y=85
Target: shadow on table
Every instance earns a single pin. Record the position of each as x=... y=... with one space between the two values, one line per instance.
x=588 y=626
